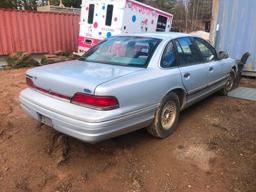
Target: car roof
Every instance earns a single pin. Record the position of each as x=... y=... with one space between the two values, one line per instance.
x=160 y=35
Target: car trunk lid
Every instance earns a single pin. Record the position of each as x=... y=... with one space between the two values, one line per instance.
x=68 y=78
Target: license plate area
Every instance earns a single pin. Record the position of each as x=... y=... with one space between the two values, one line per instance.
x=45 y=120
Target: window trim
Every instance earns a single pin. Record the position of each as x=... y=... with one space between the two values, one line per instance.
x=175 y=53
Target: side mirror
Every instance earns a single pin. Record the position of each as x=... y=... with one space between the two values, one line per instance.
x=222 y=55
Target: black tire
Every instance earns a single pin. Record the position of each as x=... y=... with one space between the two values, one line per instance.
x=230 y=84
x=160 y=128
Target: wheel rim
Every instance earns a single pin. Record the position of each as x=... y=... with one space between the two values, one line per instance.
x=230 y=82
x=168 y=115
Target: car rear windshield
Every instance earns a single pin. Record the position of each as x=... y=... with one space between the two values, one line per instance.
x=123 y=50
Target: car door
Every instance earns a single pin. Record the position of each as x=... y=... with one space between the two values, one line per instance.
x=194 y=72
x=215 y=72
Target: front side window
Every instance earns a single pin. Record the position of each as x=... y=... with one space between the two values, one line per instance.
x=91 y=13
x=169 y=57
x=206 y=50
x=161 y=23
x=125 y=51
x=109 y=16
x=188 y=53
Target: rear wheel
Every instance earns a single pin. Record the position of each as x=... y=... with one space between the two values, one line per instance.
x=166 y=117
x=229 y=83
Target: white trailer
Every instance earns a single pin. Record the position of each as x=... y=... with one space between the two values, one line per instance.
x=101 y=19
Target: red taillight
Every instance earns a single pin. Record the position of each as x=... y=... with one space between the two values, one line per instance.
x=29 y=82
x=102 y=102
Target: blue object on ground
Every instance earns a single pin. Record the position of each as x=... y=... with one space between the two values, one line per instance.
x=243 y=93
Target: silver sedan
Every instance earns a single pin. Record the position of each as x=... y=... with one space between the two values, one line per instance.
x=127 y=83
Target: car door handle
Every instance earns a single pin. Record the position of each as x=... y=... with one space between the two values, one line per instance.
x=186 y=75
x=211 y=69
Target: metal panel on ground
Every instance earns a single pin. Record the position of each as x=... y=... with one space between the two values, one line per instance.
x=236 y=30
x=243 y=93
x=37 y=32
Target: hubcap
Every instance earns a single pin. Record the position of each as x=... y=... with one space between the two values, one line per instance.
x=168 y=115
x=229 y=83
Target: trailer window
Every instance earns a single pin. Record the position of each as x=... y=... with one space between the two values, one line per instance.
x=91 y=13
x=108 y=21
x=161 y=23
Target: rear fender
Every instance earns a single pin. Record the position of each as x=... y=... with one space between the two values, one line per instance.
x=181 y=92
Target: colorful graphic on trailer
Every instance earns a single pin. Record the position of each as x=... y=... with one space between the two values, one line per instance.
x=102 y=19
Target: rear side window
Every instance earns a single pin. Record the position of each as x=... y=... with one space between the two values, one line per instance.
x=206 y=50
x=109 y=15
x=91 y=13
x=161 y=23
x=188 y=53
x=169 y=57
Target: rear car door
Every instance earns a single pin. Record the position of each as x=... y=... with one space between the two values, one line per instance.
x=215 y=72
x=194 y=72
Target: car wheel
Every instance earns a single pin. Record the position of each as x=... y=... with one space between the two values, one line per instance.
x=166 y=117
x=230 y=83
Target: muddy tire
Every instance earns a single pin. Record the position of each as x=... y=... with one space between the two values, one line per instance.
x=166 y=117
x=231 y=81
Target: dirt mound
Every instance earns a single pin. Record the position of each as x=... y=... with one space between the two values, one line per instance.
x=59 y=148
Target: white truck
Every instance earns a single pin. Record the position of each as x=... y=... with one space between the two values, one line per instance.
x=101 y=19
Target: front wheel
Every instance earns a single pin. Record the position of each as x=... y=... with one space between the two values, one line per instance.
x=166 y=117
x=229 y=83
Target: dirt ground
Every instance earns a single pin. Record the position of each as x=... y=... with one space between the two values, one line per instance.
x=213 y=150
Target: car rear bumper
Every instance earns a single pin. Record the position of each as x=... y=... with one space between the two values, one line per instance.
x=68 y=118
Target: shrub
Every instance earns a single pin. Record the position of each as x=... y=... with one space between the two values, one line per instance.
x=49 y=59
x=62 y=53
x=21 y=59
